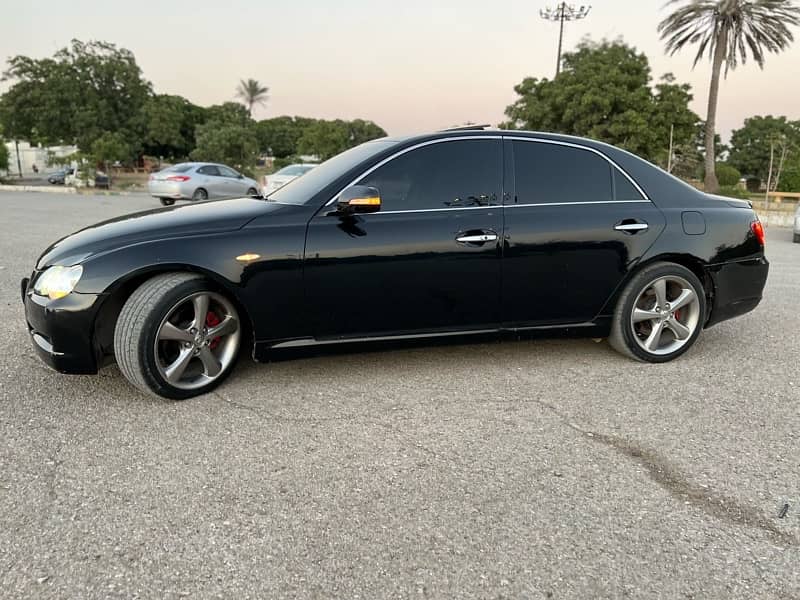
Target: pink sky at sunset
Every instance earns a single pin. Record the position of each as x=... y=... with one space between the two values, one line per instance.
x=409 y=66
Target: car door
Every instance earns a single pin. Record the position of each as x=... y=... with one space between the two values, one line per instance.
x=575 y=226
x=210 y=181
x=234 y=184
x=427 y=261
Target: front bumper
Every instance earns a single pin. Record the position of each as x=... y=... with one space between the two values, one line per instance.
x=61 y=330
x=738 y=288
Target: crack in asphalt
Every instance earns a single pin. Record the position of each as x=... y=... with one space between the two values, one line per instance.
x=658 y=468
x=670 y=478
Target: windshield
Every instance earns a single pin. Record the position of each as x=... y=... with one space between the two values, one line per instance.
x=302 y=189
x=295 y=170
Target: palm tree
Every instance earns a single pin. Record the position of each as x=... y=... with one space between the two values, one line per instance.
x=726 y=30
x=252 y=92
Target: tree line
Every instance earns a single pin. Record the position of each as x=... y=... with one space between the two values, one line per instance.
x=93 y=95
x=605 y=92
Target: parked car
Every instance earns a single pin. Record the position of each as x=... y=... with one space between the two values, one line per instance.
x=58 y=177
x=199 y=181
x=452 y=233
x=796 y=237
x=280 y=178
x=79 y=178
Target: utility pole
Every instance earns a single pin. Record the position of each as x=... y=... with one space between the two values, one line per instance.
x=671 y=146
x=769 y=175
x=19 y=164
x=561 y=13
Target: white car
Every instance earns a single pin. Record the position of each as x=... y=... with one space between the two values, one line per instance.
x=285 y=175
x=796 y=238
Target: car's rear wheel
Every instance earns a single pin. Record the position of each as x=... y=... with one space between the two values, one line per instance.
x=177 y=337
x=167 y=201
x=660 y=313
x=199 y=195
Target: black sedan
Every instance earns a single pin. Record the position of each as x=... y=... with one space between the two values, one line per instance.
x=453 y=233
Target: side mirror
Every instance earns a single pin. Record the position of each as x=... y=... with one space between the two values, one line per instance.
x=359 y=199
x=239 y=176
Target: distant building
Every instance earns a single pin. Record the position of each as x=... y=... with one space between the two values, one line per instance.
x=34 y=155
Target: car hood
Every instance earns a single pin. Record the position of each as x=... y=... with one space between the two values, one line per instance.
x=176 y=221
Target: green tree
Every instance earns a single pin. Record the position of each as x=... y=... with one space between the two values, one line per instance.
x=604 y=92
x=230 y=144
x=328 y=138
x=728 y=175
x=752 y=144
x=111 y=146
x=280 y=135
x=251 y=92
x=229 y=113
x=4 y=156
x=82 y=91
x=790 y=178
x=725 y=30
x=170 y=123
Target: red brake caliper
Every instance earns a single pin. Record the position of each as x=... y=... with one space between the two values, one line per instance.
x=212 y=320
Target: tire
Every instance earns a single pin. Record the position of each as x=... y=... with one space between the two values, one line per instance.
x=663 y=337
x=167 y=201
x=252 y=192
x=796 y=238
x=157 y=346
x=199 y=195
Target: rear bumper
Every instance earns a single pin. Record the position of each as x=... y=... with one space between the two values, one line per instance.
x=738 y=288
x=166 y=189
x=61 y=330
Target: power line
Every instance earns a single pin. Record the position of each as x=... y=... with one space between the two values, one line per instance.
x=561 y=13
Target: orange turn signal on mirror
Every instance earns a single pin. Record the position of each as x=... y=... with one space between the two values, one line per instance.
x=365 y=202
x=249 y=257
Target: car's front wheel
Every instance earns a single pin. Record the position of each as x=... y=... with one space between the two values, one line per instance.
x=660 y=313
x=177 y=337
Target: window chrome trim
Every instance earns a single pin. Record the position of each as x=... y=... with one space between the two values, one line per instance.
x=613 y=164
x=409 y=149
x=578 y=203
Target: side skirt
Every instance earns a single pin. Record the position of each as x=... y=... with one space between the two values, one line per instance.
x=600 y=328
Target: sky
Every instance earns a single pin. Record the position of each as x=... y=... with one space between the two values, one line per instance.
x=409 y=65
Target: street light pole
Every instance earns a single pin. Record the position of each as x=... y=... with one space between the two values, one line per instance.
x=561 y=13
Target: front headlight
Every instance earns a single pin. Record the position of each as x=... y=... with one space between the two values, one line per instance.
x=56 y=282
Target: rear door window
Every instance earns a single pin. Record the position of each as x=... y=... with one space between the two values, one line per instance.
x=555 y=174
x=210 y=170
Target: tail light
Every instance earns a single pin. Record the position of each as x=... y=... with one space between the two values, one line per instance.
x=758 y=230
x=178 y=178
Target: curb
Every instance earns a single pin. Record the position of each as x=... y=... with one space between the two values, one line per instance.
x=39 y=188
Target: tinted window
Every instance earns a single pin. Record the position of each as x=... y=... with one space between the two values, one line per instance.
x=624 y=188
x=317 y=179
x=226 y=172
x=208 y=170
x=548 y=173
x=441 y=175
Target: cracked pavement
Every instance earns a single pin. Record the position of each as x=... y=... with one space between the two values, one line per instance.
x=496 y=469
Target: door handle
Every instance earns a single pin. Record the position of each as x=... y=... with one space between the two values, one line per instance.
x=632 y=227
x=479 y=238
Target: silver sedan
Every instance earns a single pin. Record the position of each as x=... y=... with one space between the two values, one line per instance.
x=796 y=238
x=199 y=181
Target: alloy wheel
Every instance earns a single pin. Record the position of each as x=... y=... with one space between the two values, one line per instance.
x=666 y=315
x=197 y=341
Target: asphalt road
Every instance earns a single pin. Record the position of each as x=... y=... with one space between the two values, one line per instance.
x=530 y=469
